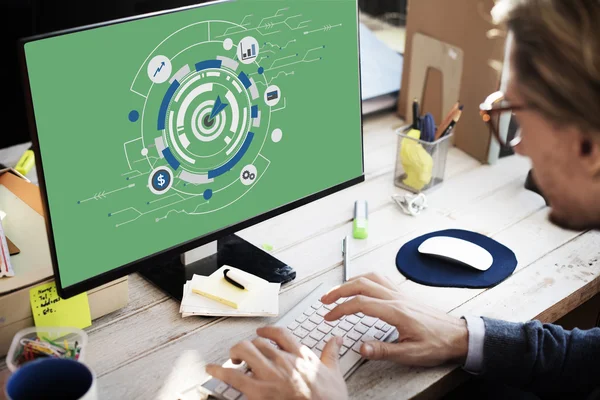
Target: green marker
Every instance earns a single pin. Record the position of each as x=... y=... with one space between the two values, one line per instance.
x=361 y=222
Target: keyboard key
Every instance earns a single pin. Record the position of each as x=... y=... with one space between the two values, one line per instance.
x=343 y=350
x=386 y=327
x=315 y=319
x=379 y=324
x=301 y=318
x=333 y=323
x=231 y=394
x=368 y=321
x=354 y=335
x=338 y=332
x=317 y=305
x=345 y=326
x=361 y=328
x=309 y=342
x=340 y=300
x=353 y=319
x=321 y=345
x=379 y=335
x=243 y=397
x=360 y=315
x=309 y=326
x=317 y=352
x=348 y=342
x=356 y=347
x=327 y=337
x=221 y=387
x=330 y=306
x=309 y=312
x=322 y=311
x=293 y=325
x=301 y=332
x=323 y=327
x=318 y=335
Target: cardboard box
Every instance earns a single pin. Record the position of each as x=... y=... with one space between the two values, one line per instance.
x=464 y=24
x=24 y=224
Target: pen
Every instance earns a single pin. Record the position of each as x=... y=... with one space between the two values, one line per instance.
x=234 y=279
x=416 y=114
x=345 y=254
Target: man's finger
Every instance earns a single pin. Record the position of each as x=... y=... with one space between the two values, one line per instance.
x=376 y=350
x=377 y=278
x=272 y=353
x=382 y=309
x=360 y=286
x=284 y=339
x=330 y=355
x=235 y=378
x=256 y=361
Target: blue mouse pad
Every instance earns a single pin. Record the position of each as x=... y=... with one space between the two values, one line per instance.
x=432 y=271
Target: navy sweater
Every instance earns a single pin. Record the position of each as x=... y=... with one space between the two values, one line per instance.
x=544 y=359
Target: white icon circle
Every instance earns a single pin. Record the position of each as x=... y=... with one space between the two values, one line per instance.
x=144 y=152
x=247 y=50
x=272 y=95
x=276 y=135
x=248 y=175
x=228 y=44
x=159 y=69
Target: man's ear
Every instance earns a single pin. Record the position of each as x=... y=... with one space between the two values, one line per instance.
x=590 y=154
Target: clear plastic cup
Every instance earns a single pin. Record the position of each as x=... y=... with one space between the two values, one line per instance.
x=39 y=342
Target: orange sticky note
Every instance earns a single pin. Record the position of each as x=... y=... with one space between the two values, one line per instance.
x=50 y=310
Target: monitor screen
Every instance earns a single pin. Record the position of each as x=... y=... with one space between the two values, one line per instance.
x=157 y=132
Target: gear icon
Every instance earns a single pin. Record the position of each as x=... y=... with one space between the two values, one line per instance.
x=248 y=175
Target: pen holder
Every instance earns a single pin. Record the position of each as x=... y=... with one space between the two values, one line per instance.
x=420 y=165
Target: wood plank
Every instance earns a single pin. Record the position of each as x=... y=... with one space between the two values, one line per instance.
x=175 y=366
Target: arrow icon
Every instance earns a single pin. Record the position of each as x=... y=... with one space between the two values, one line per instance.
x=162 y=64
x=217 y=108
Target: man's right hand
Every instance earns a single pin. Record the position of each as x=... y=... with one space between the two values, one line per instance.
x=427 y=337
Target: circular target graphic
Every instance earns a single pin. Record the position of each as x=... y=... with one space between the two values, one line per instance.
x=207 y=122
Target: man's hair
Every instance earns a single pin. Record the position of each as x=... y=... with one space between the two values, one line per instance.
x=556 y=57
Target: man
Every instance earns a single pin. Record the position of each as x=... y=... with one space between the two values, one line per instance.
x=554 y=92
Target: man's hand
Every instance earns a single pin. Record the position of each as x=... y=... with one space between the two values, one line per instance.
x=427 y=337
x=290 y=372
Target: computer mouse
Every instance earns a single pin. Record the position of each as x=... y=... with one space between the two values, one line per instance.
x=457 y=250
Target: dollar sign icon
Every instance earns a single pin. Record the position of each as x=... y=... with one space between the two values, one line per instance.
x=160 y=180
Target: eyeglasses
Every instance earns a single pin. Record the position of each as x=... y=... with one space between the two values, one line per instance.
x=496 y=110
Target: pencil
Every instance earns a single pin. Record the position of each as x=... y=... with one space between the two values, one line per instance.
x=446 y=121
x=450 y=127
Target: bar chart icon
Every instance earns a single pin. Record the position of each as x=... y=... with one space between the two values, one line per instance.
x=247 y=50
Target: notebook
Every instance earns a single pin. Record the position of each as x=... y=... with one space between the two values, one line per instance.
x=214 y=296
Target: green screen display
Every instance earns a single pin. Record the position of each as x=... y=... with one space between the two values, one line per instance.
x=159 y=130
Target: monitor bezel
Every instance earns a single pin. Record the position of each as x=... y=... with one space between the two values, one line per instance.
x=174 y=251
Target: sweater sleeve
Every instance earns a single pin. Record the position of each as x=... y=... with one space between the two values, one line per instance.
x=542 y=358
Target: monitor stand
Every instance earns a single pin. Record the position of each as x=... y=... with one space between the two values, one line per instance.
x=230 y=250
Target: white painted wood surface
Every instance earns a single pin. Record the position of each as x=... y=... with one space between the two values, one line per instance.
x=148 y=351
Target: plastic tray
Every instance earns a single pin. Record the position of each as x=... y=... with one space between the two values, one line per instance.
x=32 y=343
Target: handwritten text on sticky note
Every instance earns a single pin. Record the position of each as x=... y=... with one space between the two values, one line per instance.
x=50 y=310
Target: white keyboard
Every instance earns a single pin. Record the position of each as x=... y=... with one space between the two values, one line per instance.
x=306 y=322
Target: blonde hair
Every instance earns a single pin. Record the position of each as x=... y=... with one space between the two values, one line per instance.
x=556 y=57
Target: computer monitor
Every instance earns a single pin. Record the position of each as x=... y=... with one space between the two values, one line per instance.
x=160 y=133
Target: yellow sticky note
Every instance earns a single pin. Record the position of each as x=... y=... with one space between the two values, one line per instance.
x=50 y=310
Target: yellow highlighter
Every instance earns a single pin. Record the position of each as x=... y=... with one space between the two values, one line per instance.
x=26 y=162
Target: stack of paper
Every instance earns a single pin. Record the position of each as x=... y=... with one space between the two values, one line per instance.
x=214 y=296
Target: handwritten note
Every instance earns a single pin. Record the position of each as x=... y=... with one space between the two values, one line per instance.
x=50 y=310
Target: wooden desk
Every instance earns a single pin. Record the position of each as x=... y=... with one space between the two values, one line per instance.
x=148 y=351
